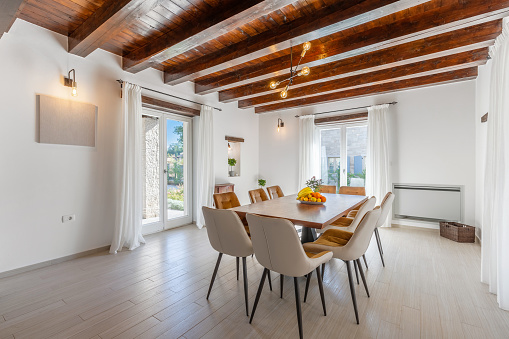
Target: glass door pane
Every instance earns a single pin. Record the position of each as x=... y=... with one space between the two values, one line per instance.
x=356 y=150
x=175 y=169
x=330 y=145
x=151 y=165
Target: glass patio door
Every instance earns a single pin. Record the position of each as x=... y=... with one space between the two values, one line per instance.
x=166 y=161
x=343 y=150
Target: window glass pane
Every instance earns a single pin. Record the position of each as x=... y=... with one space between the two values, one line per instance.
x=356 y=142
x=175 y=168
x=331 y=156
x=151 y=169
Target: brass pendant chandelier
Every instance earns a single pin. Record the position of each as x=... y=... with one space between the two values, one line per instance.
x=293 y=72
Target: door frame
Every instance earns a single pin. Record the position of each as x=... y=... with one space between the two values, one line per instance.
x=164 y=223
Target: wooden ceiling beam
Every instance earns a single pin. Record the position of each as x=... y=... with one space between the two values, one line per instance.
x=437 y=65
x=365 y=40
x=169 y=107
x=219 y=21
x=465 y=39
x=441 y=78
x=9 y=10
x=329 y=20
x=106 y=23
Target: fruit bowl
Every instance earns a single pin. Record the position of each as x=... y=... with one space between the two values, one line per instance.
x=311 y=202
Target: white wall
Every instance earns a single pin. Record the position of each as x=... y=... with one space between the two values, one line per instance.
x=481 y=130
x=433 y=139
x=39 y=182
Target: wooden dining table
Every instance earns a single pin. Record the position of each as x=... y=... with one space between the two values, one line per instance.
x=311 y=217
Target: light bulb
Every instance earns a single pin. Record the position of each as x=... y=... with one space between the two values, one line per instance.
x=299 y=74
x=284 y=94
x=74 y=90
x=306 y=46
x=305 y=70
x=278 y=128
x=273 y=85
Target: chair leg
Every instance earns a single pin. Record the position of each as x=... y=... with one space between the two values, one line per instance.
x=260 y=288
x=308 y=279
x=270 y=280
x=363 y=277
x=365 y=262
x=356 y=271
x=323 y=270
x=352 y=290
x=238 y=267
x=244 y=269
x=214 y=274
x=379 y=243
x=281 y=282
x=320 y=286
x=297 y=302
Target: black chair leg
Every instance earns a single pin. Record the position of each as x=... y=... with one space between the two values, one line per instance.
x=356 y=271
x=308 y=279
x=379 y=243
x=270 y=280
x=363 y=277
x=244 y=269
x=297 y=302
x=238 y=268
x=365 y=262
x=260 y=288
x=352 y=290
x=281 y=282
x=323 y=270
x=214 y=274
x=320 y=286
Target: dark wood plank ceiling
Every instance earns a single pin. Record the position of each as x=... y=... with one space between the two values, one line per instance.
x=235 y=48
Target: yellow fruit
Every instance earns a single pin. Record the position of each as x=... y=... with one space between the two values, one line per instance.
x=305 y=199
x=313 y=199
x=318 y=200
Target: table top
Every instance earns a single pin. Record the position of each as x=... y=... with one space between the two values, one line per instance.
x=315 y=216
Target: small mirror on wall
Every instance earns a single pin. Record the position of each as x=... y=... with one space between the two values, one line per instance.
x=234 y=155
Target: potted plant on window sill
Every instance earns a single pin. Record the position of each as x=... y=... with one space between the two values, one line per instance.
x=262 y=182
x=232 y=162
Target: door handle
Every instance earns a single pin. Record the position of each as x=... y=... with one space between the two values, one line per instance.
x=165 y=171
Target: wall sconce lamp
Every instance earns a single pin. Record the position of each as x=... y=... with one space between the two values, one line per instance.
x=229 y=147
x=280 y=124
x=71 y=82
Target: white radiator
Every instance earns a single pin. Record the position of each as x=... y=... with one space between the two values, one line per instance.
x=428 y=202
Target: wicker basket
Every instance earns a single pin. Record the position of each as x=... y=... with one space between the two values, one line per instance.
x=457 y=232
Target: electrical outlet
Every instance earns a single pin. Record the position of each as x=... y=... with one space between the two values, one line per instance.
x=68 y=218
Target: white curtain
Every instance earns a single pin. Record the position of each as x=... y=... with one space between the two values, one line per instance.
x=378 y=167
x=309 y=155
x=495 y=225
x=205 y=164
x=129 y=211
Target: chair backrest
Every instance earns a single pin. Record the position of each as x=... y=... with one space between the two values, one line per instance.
x=275 y=192
x=352 y=190
x=258 y=195
x=327 y=189
x=365 y=208
x=226 y=200
x=226 y=232
x=277 y=245
x=359 y=242
x=385 y=206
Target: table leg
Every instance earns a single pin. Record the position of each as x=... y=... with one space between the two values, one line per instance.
x=308 y=235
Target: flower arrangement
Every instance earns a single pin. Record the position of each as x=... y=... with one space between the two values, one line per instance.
x=314 y=184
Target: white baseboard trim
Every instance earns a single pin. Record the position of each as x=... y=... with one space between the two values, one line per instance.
x=416 y=223
x=52 y=262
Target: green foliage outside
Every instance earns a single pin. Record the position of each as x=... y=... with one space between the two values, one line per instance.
x=175 y=165
x=176 y=198
x=334 y=176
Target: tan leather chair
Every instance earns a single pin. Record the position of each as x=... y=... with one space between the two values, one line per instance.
x=385 y=207
x=278 y=248
x=352 y=190
x=275 y=192
x=257 y=195
x=226 y=200
x=227 y=236
x=327 y=189
x=350 y=224
x=348 y=247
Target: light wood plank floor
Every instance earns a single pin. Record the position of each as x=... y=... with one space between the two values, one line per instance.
x=429 y=289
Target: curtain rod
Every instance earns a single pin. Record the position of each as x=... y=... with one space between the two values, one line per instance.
x=120 y=81
x=348 y=109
